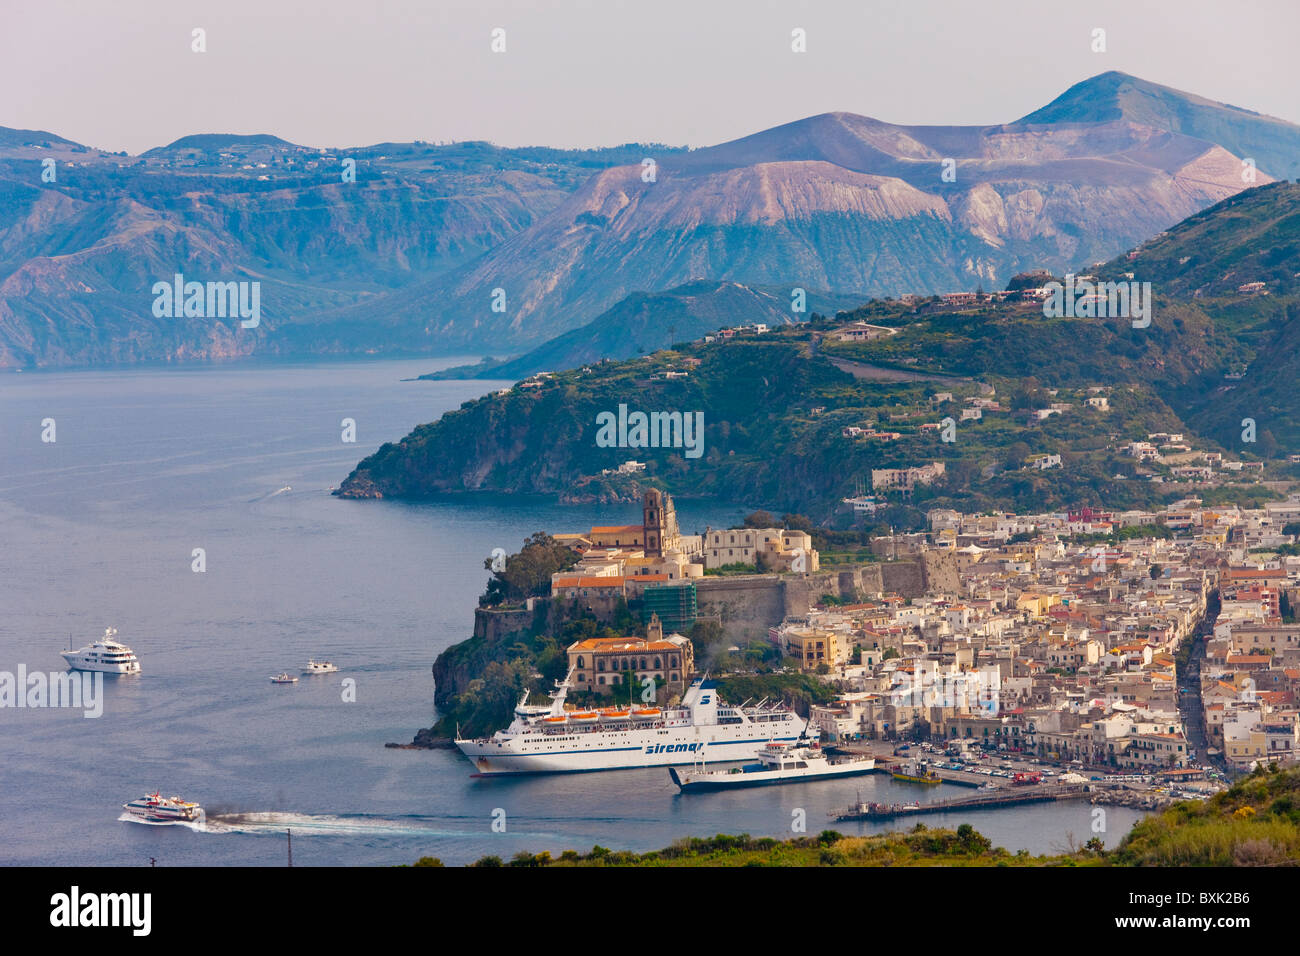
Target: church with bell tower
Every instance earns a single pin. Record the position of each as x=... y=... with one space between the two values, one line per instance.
x=659 y=519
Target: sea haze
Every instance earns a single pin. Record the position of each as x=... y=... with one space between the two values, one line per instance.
x=99 y=528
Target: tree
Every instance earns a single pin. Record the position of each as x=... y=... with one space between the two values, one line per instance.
x=528 y=573
x=703 y=634
x=793 y=522
x=760 y=519
x=1267 y=444
x=1154 y=571
x=1017 y=452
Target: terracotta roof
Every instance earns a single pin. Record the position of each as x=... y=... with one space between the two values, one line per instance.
x=638 y=645
x=588 y=582
x=610 y=529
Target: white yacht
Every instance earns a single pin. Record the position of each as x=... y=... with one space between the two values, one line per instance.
x=701 y=729
x=284 y=677
x=159 y=809
x=320 y=667
x=777 y=763
x=106 y=654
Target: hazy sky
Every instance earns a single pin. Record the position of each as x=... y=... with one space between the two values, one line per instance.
x=120 y=74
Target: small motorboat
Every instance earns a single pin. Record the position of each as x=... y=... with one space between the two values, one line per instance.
x=284 y=678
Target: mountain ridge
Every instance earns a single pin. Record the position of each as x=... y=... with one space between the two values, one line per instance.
x=423 y=251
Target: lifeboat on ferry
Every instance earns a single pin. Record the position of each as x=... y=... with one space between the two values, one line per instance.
x=554 y=721
x=646 y=713
x=615 y=713
x=584 y=717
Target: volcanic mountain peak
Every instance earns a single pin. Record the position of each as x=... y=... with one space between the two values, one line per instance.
x=1110 y=96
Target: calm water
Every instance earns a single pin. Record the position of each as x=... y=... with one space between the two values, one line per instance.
x=98 y=529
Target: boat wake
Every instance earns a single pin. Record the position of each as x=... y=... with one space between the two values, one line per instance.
x=323 y=824
x=273 y=494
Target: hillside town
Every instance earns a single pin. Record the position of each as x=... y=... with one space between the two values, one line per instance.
x=1142 y=642
x=1048 y=644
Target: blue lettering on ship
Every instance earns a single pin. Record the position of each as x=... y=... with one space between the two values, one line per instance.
x=671 y=748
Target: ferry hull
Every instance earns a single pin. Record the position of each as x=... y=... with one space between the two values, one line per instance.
x=689 y=784
x=491 y=759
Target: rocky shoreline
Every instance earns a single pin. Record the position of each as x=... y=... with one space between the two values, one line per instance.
x=425 y=740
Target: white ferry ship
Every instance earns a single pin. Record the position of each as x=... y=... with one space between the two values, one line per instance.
x=105 y=655
x=156 y=808
x=702 y=729
x=777 y=763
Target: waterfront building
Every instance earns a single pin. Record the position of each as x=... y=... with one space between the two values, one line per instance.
x=602 y=663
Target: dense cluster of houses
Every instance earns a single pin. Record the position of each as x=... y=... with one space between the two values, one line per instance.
x=1068 y=650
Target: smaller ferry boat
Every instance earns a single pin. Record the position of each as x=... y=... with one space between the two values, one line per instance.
x=320 y=667
x=106 y=655
x=777 y=763
x=285 y=678
x=918 y=771
x=156 y=808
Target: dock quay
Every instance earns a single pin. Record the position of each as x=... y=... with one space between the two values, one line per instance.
x=1000 y=798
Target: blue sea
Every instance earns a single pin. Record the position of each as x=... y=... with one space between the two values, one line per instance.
x=99 y=528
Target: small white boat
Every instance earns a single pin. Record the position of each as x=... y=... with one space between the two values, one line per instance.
x=777 y=763
x=156 y=808
x=106 y=655
x=320 y=667
x=284 y=678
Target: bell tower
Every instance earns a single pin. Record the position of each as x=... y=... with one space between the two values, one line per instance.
x=652 y=519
